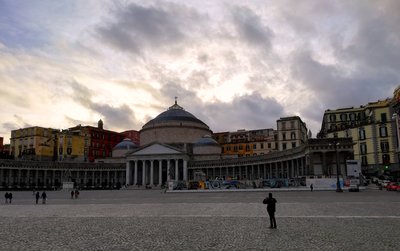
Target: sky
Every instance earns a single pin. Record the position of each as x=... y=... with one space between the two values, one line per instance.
x=232 y=64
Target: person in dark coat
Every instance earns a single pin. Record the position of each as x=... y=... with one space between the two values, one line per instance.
x=37 y=197
x=44 y=197
x=72 y=194
x=9 y=197
x=271 y=208
x=6 y=196
x=312 y=187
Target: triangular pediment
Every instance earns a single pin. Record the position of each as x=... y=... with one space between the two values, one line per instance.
x=155 y=149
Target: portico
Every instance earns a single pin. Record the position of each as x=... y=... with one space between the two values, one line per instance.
x=155 y=164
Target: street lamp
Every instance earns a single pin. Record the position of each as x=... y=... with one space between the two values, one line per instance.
x=335 y=144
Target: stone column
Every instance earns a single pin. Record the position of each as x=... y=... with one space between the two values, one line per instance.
x=128 y=173
x=185 y=178
x=19 y=178
x=151 y=173
x=168 y=170
x=159 y=173
x=176 y=169
x=135 y=173
x=143 y=172
x=85 y=180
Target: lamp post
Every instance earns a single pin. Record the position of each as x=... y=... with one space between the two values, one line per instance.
x=335 y=144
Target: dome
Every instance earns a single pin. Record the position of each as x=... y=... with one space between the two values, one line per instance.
x=174 y=113
x=126 y=144
x=206 y=140
x=174 y=126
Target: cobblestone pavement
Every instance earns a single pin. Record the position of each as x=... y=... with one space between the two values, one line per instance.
x=150 y=220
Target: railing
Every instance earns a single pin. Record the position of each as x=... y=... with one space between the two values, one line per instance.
x=60 y=165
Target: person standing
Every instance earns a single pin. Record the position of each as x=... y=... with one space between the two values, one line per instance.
x=72 y=194
x=10 y=196
x=37 y=197
x=271 y=208
x=6 y=196
x=312 y=187
x=44 y=197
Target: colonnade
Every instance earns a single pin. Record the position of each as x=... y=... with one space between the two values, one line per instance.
x=292 y=168
x=155 y=172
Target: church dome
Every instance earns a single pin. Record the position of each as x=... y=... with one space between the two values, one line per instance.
x=174 y=113
x=126 y=144
x=206 y=140
x=175 y=125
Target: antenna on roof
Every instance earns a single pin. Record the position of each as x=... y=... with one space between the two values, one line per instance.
x=176 y=100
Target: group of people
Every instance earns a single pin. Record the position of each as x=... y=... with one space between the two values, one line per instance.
x=43 y=196
x=8 y=197
x=74 y=194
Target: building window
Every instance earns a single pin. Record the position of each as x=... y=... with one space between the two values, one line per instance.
x=293 y=144
x=363 y=148
x=292 y=124
x=235 y=148
x=332 y=118
x=269 y=145
x=284 y=146
x=383 y=118
x=283 y=136
x=385 y=146
x=292 y=135
x=361 y=133
x=352 y=116
x=343 y=117
x=364 y=161
x=262 y=145
x=228 y=148
x=240 y=147
x=383 y=131
x=283 y=125
x=247 y=148
x=385 y=159
x=254 y=146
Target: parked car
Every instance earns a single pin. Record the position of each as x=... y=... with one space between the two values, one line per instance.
x=393 y=186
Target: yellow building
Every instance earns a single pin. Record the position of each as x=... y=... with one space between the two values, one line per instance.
x=373 y=131
x=71 y=146
x=34 y=143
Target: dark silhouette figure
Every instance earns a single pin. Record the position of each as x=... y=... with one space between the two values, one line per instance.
x=76 y=194
x=37 y=197
x=6 y=196
x=10 y=196
x=44 y=197
x=312 y=187
x=271 y=202
x=72 y=194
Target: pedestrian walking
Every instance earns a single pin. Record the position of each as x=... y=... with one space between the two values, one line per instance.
x=37 y=197
x=271 y=208
x=72 y=194
x=6 y=196
x=10 y=196
x=44 y=197
x=312 y=187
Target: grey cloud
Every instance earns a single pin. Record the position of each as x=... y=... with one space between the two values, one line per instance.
x=250 y=27
x=137 y=27
x=119 y=117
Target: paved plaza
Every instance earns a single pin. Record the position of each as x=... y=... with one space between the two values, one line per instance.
x=152 y=220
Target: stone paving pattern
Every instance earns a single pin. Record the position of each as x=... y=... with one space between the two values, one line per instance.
x=150 y=220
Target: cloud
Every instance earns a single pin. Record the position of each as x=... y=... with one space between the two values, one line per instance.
x=118 y=117
x=250 y=27
x=136 y=28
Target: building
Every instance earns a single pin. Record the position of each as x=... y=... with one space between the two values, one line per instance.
x=34 y=143
x=373 y=132
x=98 y=142
x=292 y=132
x=246 y=142
x=71 y=146
x=133 y=135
